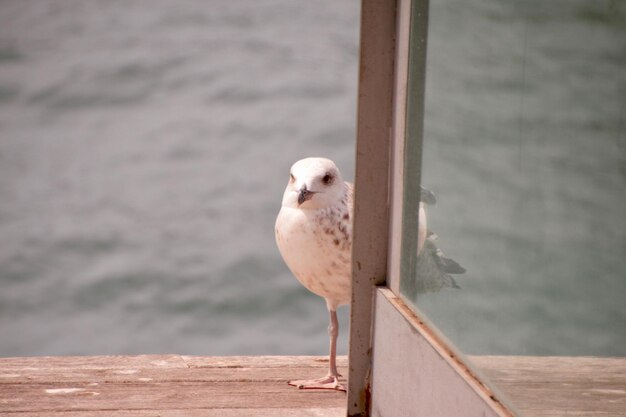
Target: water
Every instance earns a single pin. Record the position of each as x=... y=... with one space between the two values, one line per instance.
x=144 y=149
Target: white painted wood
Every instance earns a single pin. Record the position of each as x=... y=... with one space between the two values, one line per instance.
x=414 y=374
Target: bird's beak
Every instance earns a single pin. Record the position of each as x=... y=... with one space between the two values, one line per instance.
x=304 y=194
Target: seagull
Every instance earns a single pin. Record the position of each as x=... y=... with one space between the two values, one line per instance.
x=314 y=236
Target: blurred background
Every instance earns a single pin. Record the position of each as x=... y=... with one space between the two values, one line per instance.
x=144 y=149
x=145 y=146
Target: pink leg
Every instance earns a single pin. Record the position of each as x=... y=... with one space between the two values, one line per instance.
x=330 y=381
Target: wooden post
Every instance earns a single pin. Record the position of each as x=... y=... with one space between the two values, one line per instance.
x=371 y=213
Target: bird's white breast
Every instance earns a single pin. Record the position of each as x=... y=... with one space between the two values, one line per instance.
x=316 y=246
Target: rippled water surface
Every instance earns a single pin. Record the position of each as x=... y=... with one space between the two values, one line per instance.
x=144 y=148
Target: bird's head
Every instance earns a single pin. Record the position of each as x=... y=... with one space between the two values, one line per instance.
x=313 y=183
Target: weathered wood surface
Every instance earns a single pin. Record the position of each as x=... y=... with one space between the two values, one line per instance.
x=540 y=386
x=166 y=386
x=176 y=386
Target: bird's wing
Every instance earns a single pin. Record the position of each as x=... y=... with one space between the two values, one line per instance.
x=350 y=197
x=433 y=270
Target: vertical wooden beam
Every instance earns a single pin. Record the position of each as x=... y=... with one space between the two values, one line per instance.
x=371 y=213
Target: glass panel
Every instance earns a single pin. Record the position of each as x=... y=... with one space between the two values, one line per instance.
x=413 y=144
x=525 y=151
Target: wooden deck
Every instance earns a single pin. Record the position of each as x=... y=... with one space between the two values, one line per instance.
x=165 y=386
x=176 y=386
x=540 y=386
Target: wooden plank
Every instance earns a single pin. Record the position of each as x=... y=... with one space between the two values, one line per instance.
x=146 y=369
x=226 y=412
x=130 y=375
x=262 y=361
x=157 y=395
x=559 y=386
x=170 y=385
x=93 y=362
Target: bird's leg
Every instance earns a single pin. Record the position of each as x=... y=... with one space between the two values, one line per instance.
x=331 y=380
x=333 y=332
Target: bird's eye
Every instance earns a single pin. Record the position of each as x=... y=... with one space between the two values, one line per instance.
x=291 y=177
x=327 y=179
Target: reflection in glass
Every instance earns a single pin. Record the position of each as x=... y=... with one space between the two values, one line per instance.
x=433 y=270
x=525 y=146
